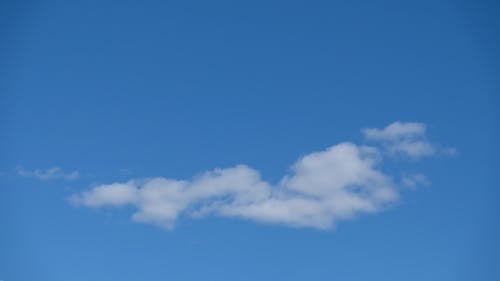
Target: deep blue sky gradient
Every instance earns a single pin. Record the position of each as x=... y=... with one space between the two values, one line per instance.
x=126 y=89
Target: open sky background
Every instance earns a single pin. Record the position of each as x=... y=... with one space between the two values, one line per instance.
x=114 y=90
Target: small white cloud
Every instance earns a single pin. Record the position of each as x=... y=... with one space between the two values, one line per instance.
x=405 y=139
x=48 y=174
x=396 y=131
x=112 y=195
x=412 y=148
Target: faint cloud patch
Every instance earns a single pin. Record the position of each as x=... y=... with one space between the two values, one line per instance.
x=415 y=180
x=53 y=173
x=407 y=139
x=126 y=172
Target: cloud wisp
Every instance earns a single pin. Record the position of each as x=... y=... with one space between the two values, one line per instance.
x=321 y=189
x=405 y=139
x=53 y=173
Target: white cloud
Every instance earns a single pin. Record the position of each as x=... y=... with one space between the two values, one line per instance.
x=321 y=189
x=405 y=139
x=48 y=174
x=113 y=195
x=412 y=148
x=396 y=131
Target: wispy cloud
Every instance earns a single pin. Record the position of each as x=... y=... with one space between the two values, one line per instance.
x=321 y=189
x=405 y=139
x=53 y=173
x=396 y=131
x=415 y=180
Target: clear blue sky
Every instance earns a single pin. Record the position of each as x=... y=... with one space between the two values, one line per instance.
x=100 y=92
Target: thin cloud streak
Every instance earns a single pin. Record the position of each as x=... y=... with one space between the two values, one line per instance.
x=53 y=173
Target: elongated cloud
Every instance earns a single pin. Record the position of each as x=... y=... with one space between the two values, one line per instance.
x=53 y=173
x=405 y=139
x=322 y=188
x=396 y=131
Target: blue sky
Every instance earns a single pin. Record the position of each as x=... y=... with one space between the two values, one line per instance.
x=257 y=140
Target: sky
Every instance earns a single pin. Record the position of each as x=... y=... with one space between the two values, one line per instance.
x=249 y=140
